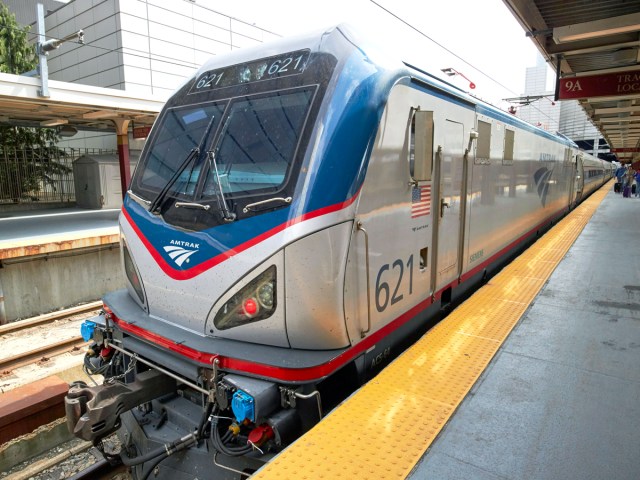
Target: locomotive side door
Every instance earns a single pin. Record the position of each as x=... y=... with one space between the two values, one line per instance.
x=579 y=180
x=570 y=169
x=451 y=182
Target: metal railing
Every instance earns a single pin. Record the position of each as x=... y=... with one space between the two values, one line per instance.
x=40 y=174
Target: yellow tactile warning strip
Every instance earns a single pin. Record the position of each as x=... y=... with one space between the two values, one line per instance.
x=382 y=430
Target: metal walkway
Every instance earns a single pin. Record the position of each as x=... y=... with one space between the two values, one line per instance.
x=561 y=399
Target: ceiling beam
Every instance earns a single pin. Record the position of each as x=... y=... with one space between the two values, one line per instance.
x=597 y=28
x=99 y=114
x=53 y=122
x=634 y=119
x=592 y=45
x=601 y=48
x=612 y=110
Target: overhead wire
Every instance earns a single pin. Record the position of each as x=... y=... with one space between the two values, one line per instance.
x=420 y=32
x=574 y=124
x=157 y=57
x=172 y=61
x=123 y=50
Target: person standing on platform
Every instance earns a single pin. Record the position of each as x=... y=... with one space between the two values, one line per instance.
x=628 y=182
x=619 y=179
x=638 y=184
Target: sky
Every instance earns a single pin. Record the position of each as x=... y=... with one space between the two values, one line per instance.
x=480 y=39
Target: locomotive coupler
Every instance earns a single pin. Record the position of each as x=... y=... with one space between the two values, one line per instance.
x=94 y=412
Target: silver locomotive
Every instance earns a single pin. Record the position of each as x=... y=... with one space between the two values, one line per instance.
x=301 y=211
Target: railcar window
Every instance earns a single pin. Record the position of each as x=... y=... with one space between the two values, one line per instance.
x=180 y=131
x=509 y=136
x=258 y=143
x=421 y=145
x=483 y=149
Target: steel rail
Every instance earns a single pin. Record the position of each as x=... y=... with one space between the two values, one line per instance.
x=29 y=357
x=49 y=317
x=101 y=470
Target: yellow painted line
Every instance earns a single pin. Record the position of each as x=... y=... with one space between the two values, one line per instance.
x=383 y=429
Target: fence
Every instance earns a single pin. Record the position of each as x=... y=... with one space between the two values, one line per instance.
x=40 y=174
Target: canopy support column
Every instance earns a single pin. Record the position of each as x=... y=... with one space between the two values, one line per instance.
x=122 y=131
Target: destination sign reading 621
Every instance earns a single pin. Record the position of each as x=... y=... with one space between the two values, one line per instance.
x=291 y=63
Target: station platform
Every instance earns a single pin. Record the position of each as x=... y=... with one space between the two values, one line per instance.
x=536 y=376
x=56 y=258
x=44 y=231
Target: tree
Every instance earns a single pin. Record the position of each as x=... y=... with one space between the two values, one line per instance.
x=17 y=55
x=27 y=155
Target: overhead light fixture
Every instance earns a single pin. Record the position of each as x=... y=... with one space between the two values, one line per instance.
x=598 y=28
x=53 y=122
x=67 y=131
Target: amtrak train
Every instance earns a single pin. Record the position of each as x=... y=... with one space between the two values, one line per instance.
x=301 y=211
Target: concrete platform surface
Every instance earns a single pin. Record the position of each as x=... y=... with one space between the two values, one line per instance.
x=561 y=399
x=34 y=227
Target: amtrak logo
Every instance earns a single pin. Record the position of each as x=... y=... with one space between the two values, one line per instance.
x=178 y=253
x=542 y=178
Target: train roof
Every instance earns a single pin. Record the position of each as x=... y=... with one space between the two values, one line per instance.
x=316 y=41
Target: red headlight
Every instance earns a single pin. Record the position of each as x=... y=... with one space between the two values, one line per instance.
x=256 y=301
x=250 y=307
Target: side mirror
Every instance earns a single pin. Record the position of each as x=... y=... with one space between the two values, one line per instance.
x=473 y=135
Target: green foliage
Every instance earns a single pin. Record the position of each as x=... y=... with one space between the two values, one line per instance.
x=28 y=159
x=27 y=155
x=17 y=55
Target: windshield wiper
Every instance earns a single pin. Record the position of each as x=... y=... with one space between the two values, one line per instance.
x=227 y=214
x=163 y=193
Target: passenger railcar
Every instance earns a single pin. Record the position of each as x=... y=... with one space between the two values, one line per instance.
x=300 y=211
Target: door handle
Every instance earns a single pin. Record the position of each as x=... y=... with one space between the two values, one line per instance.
x=443 y=205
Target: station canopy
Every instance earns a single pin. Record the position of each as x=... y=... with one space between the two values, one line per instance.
x=594 y=48
x=74 y=105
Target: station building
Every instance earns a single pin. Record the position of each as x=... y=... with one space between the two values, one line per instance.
x=142 y=50
x=146 y=47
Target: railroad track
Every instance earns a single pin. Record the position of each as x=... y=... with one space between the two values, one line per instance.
x=42 y=404
x=37 y=402
x=100 y=470
x=44 y=352
x=49 y=317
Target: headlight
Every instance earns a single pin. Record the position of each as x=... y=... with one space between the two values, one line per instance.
x=132 y=273
x=254 y=302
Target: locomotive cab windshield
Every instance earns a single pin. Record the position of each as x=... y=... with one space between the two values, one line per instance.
x=230 y=143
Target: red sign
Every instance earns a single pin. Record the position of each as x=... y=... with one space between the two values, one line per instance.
x=141 y=132
x=625 y=150
x=606 y=85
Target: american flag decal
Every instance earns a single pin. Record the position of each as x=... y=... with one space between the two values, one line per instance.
x=420 y=201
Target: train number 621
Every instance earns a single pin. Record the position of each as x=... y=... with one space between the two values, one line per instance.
x=383 y=290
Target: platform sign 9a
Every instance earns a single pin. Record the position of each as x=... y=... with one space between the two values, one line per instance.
x=605 y=85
